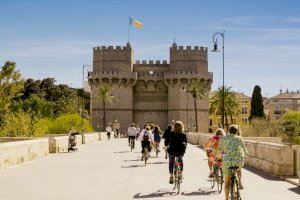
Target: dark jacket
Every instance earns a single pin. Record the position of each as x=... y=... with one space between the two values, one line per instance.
x=166 y=136
x=177 y=144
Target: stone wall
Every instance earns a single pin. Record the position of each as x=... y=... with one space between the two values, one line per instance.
x=90 y=138
x=14 y=139
x=13 y=153
x=273 y=158
x=296 y=149
x=60 y=143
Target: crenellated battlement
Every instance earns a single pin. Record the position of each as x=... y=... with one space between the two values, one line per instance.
x=151 y=62
x=110 y=48
x=188 y=48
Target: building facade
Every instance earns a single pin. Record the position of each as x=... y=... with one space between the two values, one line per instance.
x=275 y=107
x=149 y=91
x=240 y=118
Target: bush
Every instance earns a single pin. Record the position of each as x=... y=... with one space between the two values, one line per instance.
x=263 y=128
x=22 y=124
x=64 y=123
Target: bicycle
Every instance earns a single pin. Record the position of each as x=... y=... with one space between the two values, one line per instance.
x=146 y=155
x=131 y=144
x=156 y=149
x=234 y=190
x=166 y=151
x=217 y=175
x=177 y=175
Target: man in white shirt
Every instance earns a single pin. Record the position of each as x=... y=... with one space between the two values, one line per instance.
x=108 y=131
x=131 y=132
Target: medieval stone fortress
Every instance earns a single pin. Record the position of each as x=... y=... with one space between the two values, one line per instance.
x=149 y=91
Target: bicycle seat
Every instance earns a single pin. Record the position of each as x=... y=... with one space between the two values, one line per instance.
x=234 y=168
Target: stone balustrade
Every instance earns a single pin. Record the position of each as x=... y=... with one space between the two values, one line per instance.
x=59 y=144
x=90 y=138
x=273 y=158
x=17 y=152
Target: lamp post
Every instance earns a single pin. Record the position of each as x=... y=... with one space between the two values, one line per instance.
x=82 y=109
x=215 y=41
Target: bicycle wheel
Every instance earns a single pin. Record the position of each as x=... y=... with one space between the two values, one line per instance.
x=131 y=145
x=146 y=156
x=220 y=179
x=178 y=180
x=237 y=192
x=213 y=178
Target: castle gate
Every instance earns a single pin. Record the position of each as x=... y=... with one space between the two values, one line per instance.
x=150 y=103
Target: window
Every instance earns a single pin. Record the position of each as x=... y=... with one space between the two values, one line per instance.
x=210 y=122
x=245 y=120
x=244 y=110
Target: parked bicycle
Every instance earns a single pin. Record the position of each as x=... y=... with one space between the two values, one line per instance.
x=217 y=176
x=177 y=175
x=234 y=191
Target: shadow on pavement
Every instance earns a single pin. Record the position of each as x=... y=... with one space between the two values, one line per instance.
x=202 y=191
x=154 y=195
x=261 y=174
x=295 y=189
x=121 y=151
x=154 y=163
x=132 y=166
x=132 y=160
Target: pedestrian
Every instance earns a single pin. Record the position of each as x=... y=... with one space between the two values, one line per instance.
x=108 y=131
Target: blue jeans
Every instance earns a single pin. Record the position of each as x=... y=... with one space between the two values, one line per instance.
x=171 y=163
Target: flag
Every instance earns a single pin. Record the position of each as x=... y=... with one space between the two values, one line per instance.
x=135 y=23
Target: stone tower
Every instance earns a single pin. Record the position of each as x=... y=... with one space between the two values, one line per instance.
x=149 y=91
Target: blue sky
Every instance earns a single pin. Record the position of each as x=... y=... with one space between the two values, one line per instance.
x=54 y=38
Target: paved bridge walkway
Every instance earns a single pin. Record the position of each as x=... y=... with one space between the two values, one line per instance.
x=107 y=170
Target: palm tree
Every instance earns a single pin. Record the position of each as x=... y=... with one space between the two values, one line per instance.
x=103 y=92
x=230 y=101
x=197 y=90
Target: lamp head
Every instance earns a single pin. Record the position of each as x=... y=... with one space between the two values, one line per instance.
x=215 y=48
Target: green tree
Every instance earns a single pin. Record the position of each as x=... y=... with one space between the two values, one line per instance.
x=197 y=90
x=63 y=124
x=230 y=101
x=11 y=85
x=104 y=94
x=257 y=107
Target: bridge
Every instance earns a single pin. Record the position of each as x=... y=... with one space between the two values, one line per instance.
x=108 y=170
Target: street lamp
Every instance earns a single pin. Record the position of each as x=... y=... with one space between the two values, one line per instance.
x=215 y=41
x=82 y=129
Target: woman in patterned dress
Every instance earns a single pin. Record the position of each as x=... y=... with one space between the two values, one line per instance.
x=234 y=150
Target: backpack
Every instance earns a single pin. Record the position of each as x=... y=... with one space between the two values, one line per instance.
x=146 y=136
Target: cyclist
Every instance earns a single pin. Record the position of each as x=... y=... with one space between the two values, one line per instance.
x=234 y=154
x=146 y=138
x=166 y=136
x=131 y=132
x=177 y=146
x=211 y=148
x=156 y=134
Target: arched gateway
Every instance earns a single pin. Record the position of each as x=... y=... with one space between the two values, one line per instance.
x=149 y=91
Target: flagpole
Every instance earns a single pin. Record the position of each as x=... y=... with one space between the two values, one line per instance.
x=128 y=31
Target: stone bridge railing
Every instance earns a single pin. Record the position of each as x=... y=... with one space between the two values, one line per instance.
x=15 y=151
x=265 y=153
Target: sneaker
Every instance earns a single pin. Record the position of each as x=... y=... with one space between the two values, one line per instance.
x=171 y=181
